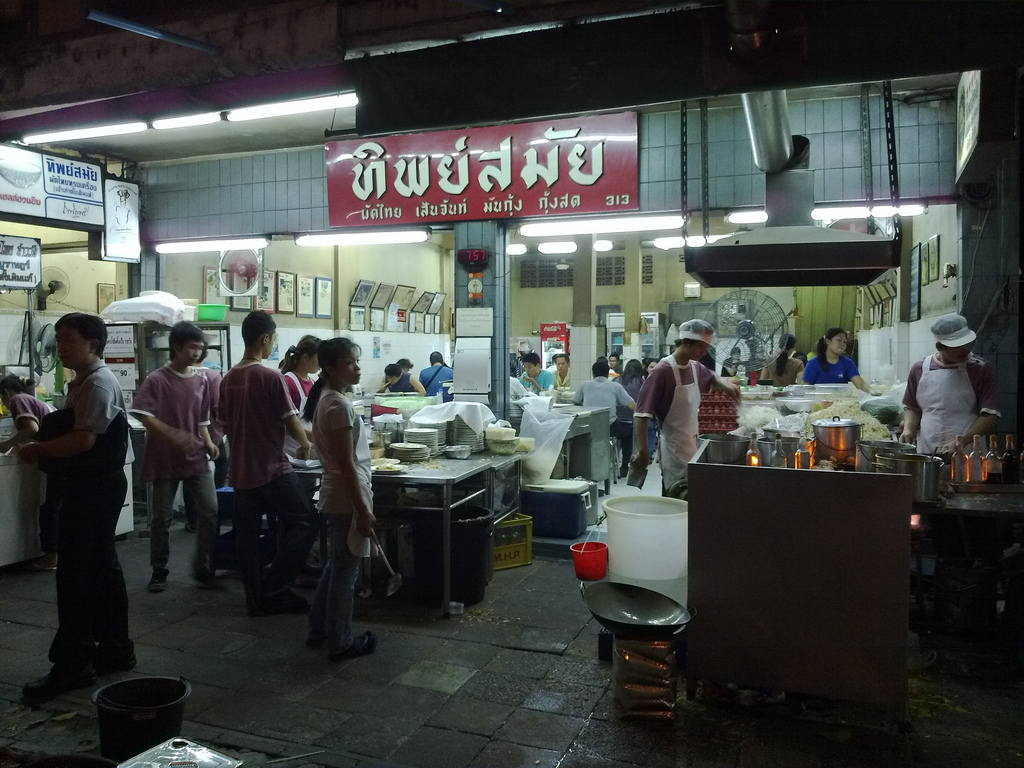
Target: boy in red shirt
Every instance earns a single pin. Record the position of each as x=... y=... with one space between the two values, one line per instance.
x=173 y=405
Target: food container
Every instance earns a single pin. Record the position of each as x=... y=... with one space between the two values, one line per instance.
x=458 y=451
x=526 y=444
x=790 y=445
x=504 y=447
x=836 y=440
x=790 y=405
x=924 y=470
x=212 y=312
x=868 y=450
x=499 y=433
x=725 y=448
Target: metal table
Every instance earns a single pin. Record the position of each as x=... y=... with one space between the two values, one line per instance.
x=474 y=475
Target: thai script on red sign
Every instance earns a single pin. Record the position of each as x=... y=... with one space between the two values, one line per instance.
x=554 y=167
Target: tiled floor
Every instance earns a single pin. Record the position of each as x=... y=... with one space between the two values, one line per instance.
x=514 y=681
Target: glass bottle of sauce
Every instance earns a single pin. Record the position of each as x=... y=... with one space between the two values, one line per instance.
x=993 y=462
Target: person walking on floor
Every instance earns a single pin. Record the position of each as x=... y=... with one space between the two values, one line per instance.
x=86 y=445
x=346 y=500
x=433 y=376
x=173 y=405
x=28 y=411
x=257 y=413
x=631 y=380
x=216 y=430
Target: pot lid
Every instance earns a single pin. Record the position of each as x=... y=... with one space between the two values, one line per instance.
x=836 y=422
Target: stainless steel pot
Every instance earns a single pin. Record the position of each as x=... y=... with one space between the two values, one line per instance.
x=836 y=440
x=726 y=448
x=924 y=470
x=789 y=448
x=868 y=450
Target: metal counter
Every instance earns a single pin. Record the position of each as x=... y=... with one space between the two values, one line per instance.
x=586 y=450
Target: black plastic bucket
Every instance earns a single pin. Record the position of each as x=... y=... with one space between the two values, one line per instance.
x=470 y=554
x=139 y=713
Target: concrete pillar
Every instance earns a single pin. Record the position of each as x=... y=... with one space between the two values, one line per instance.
x=493 y=236
x=583 y=341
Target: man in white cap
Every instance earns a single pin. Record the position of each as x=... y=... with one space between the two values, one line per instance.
x=671 y=394
x=950 y=393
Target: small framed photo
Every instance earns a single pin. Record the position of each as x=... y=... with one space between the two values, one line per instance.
x=391 y=323
x=304 y=299
x=423 y=302
x=211 y=286
x=413 y=318
x=933 y=258
x=324 y=297
x=241 y=303
x=382 y=297
x=914 y=294
x=357 y=318
x=376 y=319
x=104 y=295
x=403 y=296
x=286 y=292
x=267 y=299
x=437 y=323
x=361 y=295
x=436 y=303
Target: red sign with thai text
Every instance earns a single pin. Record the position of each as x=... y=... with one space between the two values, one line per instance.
x=550 y=168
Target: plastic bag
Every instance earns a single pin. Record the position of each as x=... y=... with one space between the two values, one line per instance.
x=548 y=429
x=885 y=409
x=152 y=306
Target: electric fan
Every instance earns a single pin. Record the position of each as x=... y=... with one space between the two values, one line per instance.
x=748 y=325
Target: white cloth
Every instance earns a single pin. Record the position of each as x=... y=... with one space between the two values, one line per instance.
x=948 y=403
x=291 y=446
x=476 y=415
x=679 y=430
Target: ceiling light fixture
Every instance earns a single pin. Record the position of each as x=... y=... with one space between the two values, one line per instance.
x=298 y=107
x=603 y=245
x=515 y=249
x=747 y=217
x=210 y=246
x=187 y=121
x=73 y=134
x=610 y=226
x=566 y=246
x=562 y=265
x=668 y=243
x=840 y=212
x=380 y=237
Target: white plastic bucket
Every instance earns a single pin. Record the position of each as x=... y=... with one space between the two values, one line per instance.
x=647 y=543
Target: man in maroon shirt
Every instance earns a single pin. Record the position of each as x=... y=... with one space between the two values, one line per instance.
x=257 y=411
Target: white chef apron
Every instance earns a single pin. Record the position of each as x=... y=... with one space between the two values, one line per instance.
x=679 y=429
x=948 y=405
x=290 y=445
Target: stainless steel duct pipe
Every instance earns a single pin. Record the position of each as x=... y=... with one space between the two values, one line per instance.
x=771 y=137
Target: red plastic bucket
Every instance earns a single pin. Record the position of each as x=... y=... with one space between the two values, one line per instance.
x=590 y=558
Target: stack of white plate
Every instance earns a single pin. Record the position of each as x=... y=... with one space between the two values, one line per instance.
x=410 y=451
x=423 y=436
x=462 y=434
x=441 y=428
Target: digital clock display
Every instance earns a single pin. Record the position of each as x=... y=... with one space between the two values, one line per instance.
x=472 y=257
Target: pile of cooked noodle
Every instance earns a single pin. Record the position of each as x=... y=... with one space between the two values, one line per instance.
x=870 y=429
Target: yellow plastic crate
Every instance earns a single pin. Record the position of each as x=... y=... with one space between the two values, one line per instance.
x=513 y=542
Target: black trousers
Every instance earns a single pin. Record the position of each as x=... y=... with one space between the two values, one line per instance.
x=297 y=526
x=49 y=514
x=92 y=602
x=624 y=431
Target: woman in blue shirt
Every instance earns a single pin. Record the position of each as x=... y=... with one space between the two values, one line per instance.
x=831 y=366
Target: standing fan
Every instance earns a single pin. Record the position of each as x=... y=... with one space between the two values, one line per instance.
x=34 y=346
x=748 y=325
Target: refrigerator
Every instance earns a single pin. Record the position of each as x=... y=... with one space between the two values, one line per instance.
x=615 y=329
x=554 y=339
x=652 y=334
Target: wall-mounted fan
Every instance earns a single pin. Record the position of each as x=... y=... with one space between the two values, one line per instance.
x=33 y=346
x=53 y=286
x=748 y=325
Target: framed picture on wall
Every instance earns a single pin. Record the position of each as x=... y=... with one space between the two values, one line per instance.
x=324 y=297
x=357 y=318
x=267 y=300
x=436 y=303
x=211 y=286
x=382 y=297
x=413 y=318
x=286 y=292
x=423 y=302
x=104 y=295
x=437 y=323
x=241 y=303
x=376 y=319
x=361 y=295
x=403 y=296
x=914 y=294
x=304 y=296
x=933 y=258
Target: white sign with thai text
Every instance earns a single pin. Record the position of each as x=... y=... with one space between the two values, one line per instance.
x=20 y=266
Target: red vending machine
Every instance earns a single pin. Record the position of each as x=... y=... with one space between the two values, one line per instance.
x=554 y=338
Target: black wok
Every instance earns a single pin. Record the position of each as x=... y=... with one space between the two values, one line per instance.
x=634 y=612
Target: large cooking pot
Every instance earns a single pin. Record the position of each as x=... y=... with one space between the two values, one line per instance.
x=634 y=612
x=726 y=448
x=924 y=470
x=836 y=440
x=868 y=450
x=766 y=447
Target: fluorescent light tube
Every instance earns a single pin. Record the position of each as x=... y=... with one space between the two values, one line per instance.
x=293 y=107
x=570 y=227
x=97 y=131
x=567 y=246
x=209 y=246
x=383 y=237
x=747 y=217
x=836 y=213
x=668 y=243
x=187 y=121
x=603 y=245
x=515 y=249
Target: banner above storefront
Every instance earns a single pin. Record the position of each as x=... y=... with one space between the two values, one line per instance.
x=560 y=167
x=50 y=187
x=20 y=262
